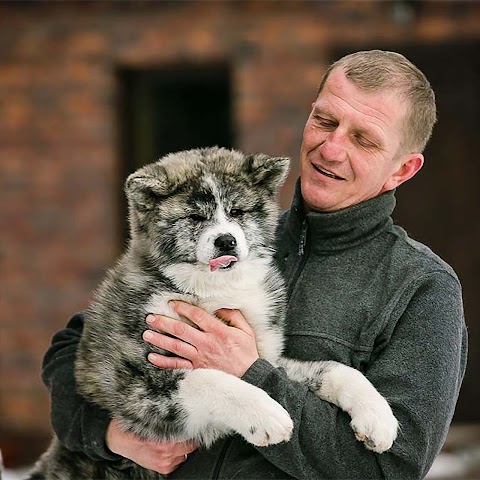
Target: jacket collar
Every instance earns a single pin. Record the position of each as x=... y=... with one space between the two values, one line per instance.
x=346 y=228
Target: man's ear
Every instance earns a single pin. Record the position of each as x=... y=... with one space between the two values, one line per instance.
x=410 y=164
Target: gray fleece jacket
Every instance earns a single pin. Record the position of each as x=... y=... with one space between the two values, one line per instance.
x=360 y=292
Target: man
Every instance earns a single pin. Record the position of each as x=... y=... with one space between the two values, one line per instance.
x=360 y=291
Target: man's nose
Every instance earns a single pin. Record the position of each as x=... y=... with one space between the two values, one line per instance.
x=334 y=147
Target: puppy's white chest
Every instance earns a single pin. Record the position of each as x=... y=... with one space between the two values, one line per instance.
x=254 y=304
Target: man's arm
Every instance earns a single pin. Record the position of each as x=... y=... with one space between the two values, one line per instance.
x=418 y=366
x=78 y=424
x=85 y=427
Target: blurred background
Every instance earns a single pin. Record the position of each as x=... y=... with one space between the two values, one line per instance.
x=90 y=91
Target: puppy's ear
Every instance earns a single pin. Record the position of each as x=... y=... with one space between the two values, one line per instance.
x=144 y=188
x=266 y=171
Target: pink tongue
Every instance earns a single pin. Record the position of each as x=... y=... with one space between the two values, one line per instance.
x=221 y=262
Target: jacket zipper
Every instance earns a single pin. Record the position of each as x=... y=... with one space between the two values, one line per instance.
x=303 y=253
x=303 y=239
x=221 y=458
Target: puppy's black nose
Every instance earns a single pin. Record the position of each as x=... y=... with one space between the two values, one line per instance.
x=225 y=243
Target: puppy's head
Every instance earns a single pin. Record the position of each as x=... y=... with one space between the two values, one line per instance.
x=211 y=207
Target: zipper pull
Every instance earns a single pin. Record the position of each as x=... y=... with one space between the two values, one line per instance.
x=303 y=239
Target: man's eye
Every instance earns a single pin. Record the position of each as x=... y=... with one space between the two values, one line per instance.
x=364 y=142
x=325 y=122
x=236 y=212
x=196 y=217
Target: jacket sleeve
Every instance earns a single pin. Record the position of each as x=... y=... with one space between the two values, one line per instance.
x=418 y=365
x=78 y=424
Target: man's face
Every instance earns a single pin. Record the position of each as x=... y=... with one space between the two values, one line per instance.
x=351 y=144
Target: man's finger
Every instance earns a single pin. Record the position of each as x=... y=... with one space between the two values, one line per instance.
x=171 y=344
x=174 y=327
x=190 y=446
x=196 y=315
x=234 y=318
x=163 y=361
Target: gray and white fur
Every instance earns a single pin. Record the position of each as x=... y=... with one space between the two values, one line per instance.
x=186 y=210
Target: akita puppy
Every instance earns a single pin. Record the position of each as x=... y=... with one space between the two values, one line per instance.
x=203 y=226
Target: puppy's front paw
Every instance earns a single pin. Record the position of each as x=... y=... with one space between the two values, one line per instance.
x=268 y=424
x=375 y=426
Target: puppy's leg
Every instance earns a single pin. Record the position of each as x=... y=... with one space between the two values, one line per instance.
x=211 y=397
x=372 y=418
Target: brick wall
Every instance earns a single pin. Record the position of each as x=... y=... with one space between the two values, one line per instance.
x=59 y=158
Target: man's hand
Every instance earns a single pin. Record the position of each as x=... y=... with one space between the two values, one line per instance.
x=161 y=457
x=230 y=346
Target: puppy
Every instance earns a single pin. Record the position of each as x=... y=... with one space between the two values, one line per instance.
x=203 y=227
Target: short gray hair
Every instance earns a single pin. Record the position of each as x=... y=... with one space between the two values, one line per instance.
x=378 y=70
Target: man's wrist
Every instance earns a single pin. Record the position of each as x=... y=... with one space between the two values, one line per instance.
x=258 y=371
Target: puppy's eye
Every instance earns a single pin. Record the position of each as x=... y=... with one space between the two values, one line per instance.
x=236 y=212
x=196 y=217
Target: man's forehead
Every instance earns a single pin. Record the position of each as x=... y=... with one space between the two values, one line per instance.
x=340 y=95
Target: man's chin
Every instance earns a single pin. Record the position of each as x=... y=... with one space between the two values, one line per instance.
x=318 y=199
x=315 y=197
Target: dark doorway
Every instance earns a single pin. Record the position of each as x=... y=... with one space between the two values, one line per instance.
x=439 y=207
x=172 y=108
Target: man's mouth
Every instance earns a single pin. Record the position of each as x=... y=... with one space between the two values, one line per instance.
x=327 y=173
